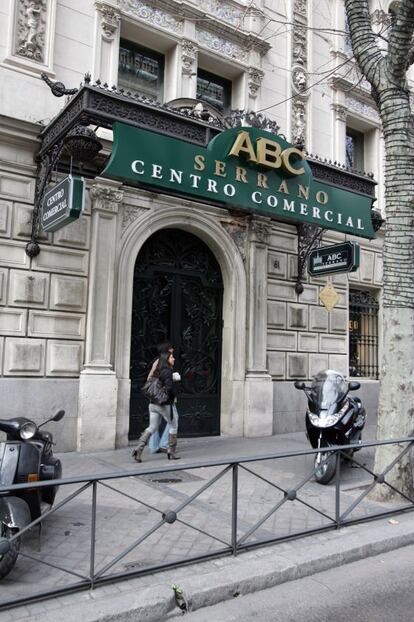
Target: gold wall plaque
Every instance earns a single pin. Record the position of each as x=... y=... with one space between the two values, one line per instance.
x=329 y=297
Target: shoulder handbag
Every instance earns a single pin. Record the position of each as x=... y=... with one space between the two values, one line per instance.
x=155 y=391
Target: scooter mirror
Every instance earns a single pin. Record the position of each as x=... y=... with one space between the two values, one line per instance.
x=354 y=386
x=299 y=384
x=59 y=415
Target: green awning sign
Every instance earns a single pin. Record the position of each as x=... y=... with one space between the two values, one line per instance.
x=62 y=203
x=241 y=168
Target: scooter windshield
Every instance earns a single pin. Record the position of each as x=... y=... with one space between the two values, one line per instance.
x=327 y=390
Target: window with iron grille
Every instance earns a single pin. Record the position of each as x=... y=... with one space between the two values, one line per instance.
x=140 y=70
x=214 y=90
x=354 y=149
x=363 y=333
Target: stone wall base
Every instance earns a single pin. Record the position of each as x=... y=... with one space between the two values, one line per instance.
x=97 y=411
x=40 y=398
x=258 y=405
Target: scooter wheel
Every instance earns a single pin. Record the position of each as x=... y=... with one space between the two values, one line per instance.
x=325 y=467
x=8 y=560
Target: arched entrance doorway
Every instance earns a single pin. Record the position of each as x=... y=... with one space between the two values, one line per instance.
x=177 y=296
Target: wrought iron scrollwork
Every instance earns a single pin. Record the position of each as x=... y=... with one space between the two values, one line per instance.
x=45 y=167
x=309 y=237
x=58 y=88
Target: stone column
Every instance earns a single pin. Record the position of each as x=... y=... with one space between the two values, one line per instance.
x=339 y=135
x=258 y=417
x=106 y=53
x=189 y=55
x=300 y=79
x=98 y=383
x=254 y=82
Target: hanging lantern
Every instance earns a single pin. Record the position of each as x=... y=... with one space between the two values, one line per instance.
x=377 y=219
x=82 y=144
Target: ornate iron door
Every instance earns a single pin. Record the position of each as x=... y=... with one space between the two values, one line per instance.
x=178 y=297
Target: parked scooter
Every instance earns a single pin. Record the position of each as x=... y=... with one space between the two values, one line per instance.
x=332 y=418
x=26 y=456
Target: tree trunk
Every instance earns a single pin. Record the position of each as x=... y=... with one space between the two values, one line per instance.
x=396 y=403
x=386 y=72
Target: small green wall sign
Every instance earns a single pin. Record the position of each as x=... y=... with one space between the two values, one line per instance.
x=62 y=203
x=343 y=257
x=245 y=168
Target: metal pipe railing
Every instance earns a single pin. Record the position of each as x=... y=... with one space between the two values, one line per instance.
x=99 y=573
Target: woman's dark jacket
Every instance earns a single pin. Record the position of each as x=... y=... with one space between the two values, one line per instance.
x=166 y=379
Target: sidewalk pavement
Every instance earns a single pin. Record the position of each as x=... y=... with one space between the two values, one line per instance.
x=150 y=598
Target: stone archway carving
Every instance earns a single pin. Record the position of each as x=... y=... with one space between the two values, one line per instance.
x=207 y=227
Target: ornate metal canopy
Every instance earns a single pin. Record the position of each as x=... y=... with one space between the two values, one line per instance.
x=100 y=106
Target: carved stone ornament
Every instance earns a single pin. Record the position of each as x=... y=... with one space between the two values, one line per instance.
x=300 y=7
x=300 y=80
x=110 y=19
x=31 y=29
x=340 y=112
x=255 y=80
x=237 y=229
x=300 y=47
x=105 y=199
x=152 y=15
x=355 y=105
x=130 y=215
x=259 y=230
x=220 y=45
x=188 y=57
x=224 y=11
x=299 y=123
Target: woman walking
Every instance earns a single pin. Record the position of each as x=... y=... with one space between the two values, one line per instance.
x=159 y=443
x=164 y=373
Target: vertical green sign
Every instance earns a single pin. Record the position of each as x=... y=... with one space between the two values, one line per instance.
x=62 y=203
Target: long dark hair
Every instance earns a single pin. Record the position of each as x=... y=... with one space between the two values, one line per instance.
x=162 y=363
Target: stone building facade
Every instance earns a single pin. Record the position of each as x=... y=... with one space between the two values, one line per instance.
x=67 y=313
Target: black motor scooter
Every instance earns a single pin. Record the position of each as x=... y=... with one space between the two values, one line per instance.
x=332 y=418
x=26 y=456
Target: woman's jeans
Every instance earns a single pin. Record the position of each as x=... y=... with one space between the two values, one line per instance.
x=157 y=412
x=156 y=443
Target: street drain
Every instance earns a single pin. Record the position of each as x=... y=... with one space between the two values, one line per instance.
x=170 y=477
x=167 y=480
x=132 y=565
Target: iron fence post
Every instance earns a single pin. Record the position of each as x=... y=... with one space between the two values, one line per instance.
x=93 y=535
x=338 y=490
x=234 y=509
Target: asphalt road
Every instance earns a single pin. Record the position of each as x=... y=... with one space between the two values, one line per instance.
x=377 y=589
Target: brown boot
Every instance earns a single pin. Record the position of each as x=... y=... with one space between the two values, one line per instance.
x=143 y=440
x=172 y=447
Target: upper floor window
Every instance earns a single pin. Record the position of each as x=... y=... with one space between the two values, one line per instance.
x=214 y=90
x=140 y=70
x=354 y=149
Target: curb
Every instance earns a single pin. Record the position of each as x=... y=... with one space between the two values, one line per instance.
x=209 y=583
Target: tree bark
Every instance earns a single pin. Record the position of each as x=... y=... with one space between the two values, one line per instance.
x=386 y=72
